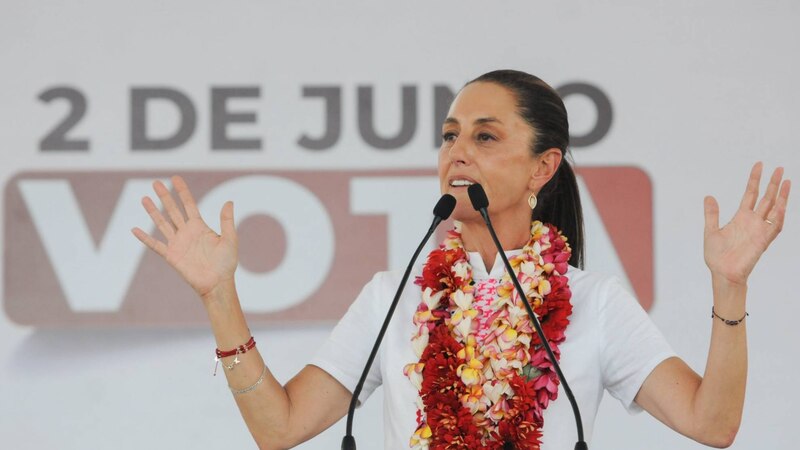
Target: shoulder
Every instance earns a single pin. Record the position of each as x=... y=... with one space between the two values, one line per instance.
x=390 y=279
x=592 y=284
x=380 y=289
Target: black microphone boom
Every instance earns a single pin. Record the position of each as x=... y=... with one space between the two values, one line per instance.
x=480 y=202
x=444 y=207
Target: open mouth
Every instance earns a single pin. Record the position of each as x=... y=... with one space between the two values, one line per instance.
x=461 y=183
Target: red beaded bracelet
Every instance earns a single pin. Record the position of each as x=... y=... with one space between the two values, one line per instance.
x=240 y=349
x=249 y=345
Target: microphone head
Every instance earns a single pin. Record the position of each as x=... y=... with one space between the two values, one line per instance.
x=478 y=197
x=444 y=207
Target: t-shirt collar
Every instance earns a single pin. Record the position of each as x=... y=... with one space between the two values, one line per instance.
x=479 y=272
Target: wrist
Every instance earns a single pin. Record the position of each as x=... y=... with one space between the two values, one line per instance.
x=729 y=296
x=222 y=293
x=725 y=284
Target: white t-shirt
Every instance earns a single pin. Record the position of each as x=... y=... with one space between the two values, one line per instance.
x=610 y=344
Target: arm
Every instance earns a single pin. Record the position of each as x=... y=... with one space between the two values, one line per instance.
x=277 y=416
x=708 y=409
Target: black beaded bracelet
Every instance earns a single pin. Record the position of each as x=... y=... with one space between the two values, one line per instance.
x=728 y=322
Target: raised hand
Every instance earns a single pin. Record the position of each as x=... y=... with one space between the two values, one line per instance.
x=733 y=250
x=201 y=256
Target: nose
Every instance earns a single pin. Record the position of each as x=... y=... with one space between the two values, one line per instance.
x=459 y=152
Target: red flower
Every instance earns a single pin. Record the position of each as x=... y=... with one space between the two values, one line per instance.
x=558 y=253
x=439 y=374
x=517 y=433
x=451 y=423
x=543 y=388
x=554 y=312
x=437 y=272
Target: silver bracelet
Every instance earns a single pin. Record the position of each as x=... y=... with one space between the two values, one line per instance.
x=250 y=388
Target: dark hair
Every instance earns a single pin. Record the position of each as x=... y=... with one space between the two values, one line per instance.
x=539 y=104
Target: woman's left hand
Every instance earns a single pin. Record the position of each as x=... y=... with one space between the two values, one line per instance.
x=732 y=251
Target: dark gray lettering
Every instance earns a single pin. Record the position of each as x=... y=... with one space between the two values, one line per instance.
x=443 y=96
x=604 y=112
x=140 y=97
x=221 y=118
x=57 y=139
x=332 y=96
x=366 y=124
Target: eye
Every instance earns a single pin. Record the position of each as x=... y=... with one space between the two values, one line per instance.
x=485 y=137
x=448 y=136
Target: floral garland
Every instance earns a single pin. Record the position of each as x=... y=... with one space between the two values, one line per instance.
x=488 y=394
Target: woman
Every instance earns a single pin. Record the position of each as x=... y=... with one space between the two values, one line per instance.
x=460 y=364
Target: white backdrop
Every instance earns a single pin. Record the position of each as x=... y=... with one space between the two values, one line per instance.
x=699 y=92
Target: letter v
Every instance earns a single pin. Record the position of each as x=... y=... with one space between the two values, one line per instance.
x=93 y=278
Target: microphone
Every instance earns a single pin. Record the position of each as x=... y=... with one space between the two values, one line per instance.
x=444 y=207
x=480 y=202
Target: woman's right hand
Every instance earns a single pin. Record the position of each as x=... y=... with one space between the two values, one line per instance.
x=203 y=258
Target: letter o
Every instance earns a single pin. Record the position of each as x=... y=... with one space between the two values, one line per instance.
x=604 y=112
x=309 y=239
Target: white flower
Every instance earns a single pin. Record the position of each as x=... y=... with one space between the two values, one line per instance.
x=461 y=270
x=420 y=342
x=528 y=268
x=464 y=326
x=494 y=389
x=432 y=301
x=462 y=300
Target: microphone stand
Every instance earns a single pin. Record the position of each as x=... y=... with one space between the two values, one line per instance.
x=480 y=202
x=441 y=212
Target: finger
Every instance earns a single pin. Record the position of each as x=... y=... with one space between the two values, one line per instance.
x=778 y=213
x=751 y=191
x=154 y=244
x=189 y=205
x=227 y=227
x=711 y=208
x=164 y=195
x=768 y=200
x=163 y=225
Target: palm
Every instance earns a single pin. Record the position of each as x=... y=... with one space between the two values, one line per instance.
x=733 y=250
x=202 y=257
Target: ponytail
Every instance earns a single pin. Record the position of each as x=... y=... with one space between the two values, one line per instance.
x=559 y=203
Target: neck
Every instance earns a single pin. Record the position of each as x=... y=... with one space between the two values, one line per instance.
x=513 y=233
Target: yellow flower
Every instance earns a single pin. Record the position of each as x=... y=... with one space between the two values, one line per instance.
x=421 y=437
x=544 y=287
x=505 y=289
x=423 y=316
x=507 y=339
x=473 y=398
x=426 y=432
x=469 y=375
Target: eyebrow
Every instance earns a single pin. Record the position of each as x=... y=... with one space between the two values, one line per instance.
x=479 y=121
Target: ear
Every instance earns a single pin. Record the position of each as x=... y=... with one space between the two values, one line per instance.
x=544 y=168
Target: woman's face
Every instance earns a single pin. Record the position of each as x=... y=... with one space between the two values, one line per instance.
x=486 y=141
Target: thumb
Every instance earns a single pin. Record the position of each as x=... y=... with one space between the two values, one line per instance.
x=226 y=224
x=712 y=214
